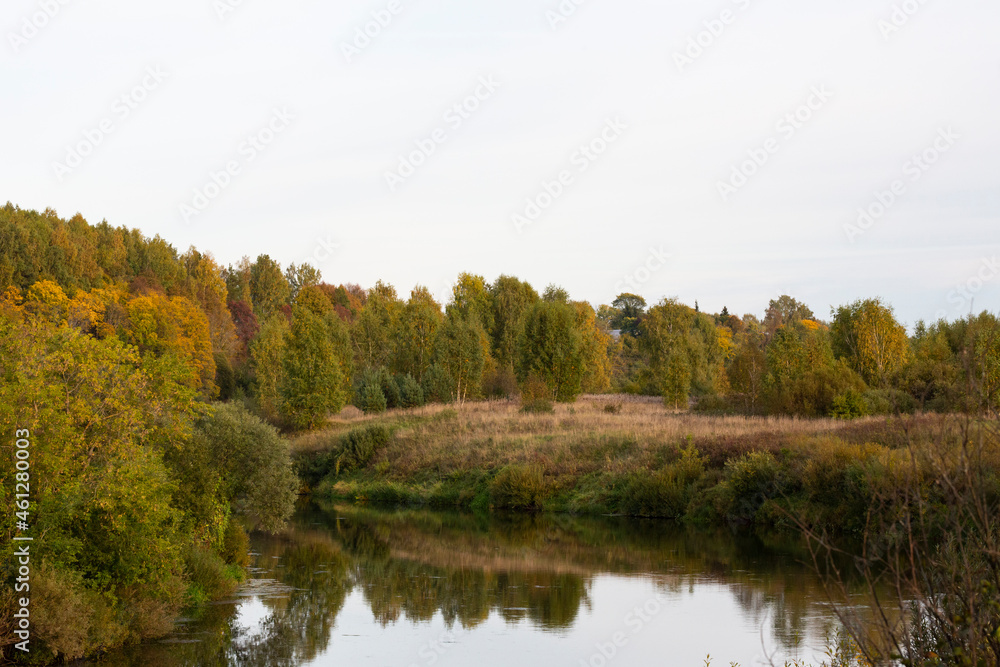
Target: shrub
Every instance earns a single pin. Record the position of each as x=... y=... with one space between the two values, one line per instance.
x=207 y=574
x=437 y=384
x=359 y=446
x=375 y=391
x=849 y=405
x=889 y=402
x=500 y=384
x=235 y=544
x=751 y=480
x=518 y=486
x=370 y=399
x=253 y=462
x=613 y=408
x=664 y=493
x=410 y=393
x=536 y=397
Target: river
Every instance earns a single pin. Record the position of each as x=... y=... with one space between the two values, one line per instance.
x=351 y=585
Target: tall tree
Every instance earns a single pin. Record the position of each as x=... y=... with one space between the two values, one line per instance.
x=313 y=380
x=551 y=349
x=420 y=320
x=374 y=331
x=868 y=336
x=269 y=290
x=510 y=299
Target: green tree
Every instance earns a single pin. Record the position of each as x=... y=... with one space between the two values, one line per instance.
x=266 y=353
x=419 y=322
x=459 y=353
x=868 y=336
x=551 y=349
x=374 y=330
x=629 y=312
x=510 y=299
x=269 y=290
x=313 y=379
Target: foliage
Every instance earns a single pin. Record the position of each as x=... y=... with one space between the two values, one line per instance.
x=313 y=374
x=518 y=486
x=551 y=350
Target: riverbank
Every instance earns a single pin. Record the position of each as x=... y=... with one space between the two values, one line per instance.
x=621 y=455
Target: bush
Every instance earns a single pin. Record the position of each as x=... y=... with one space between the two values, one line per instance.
x=500 y=384
x=376 y=391
x=207 y=574
x=437 y=384
x=751 y=480
x=235 y=545
x=539 y=406
x=410 y=393
x=519 y=487
x=613 y=408
x=536 y=397
x=253 y=463
x=849 y=405
x=359 y=446
x=664 y=493
x=889 y=402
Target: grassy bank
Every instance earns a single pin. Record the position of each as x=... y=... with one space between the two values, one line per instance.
x=612 y=455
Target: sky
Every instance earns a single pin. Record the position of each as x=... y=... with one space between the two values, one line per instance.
x=724 y=152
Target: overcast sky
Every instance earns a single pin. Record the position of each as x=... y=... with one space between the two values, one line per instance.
x=124 y=111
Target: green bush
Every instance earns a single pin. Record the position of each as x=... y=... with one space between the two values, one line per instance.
x=613 y=408
x=518 y=486
x=539 y=406
x=359 y=446
x=751 y=480
x=207 y=575
x=437 y=384
x=410 y=393
x=253 y=464
x=375 y=391
x=235 y=544
x=663 y=493
x=889 y=402
x=849 y=405
x=500 y=384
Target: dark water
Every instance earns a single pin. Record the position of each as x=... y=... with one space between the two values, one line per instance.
x=347 y=585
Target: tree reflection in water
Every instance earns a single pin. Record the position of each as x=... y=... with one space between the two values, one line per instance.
x=411 y=565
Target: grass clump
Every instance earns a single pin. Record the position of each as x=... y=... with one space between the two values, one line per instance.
x=518 y=487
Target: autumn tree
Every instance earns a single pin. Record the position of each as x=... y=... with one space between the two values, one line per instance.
x=312 y=385
x=510 y=299
x=266 y=354
x=300 y=276
x=459 y=354
x=269 y=290
x=551 y=349
x=419 y=322
x=595 y=346
x=868 y=336
x=374 y=331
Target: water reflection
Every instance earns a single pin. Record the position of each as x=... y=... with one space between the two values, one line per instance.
x=529 y=574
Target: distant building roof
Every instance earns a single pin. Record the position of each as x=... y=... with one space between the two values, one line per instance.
x=616 y=333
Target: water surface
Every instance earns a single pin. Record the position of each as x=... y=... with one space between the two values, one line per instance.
x=349 y=585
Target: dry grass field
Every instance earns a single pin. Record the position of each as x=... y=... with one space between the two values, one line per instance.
x=603 y=454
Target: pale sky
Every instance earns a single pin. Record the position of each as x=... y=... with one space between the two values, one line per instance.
x=121 y=111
